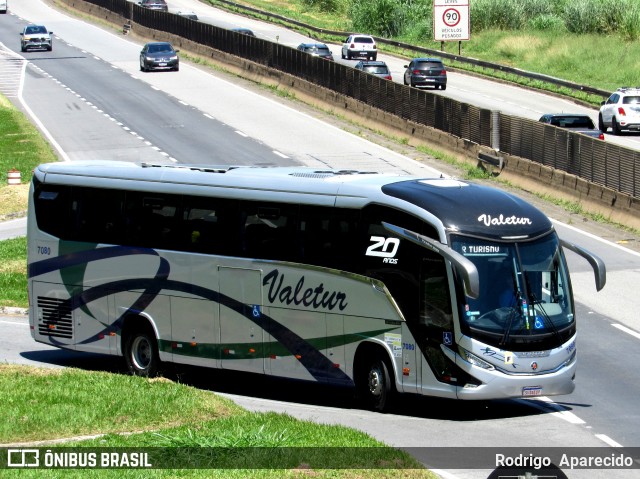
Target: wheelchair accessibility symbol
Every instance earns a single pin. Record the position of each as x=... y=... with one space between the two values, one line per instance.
x=256 y=311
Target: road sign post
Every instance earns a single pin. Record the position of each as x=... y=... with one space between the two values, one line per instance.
x=451 y=20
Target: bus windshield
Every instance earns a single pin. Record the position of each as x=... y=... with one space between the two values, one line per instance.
x=524 y=293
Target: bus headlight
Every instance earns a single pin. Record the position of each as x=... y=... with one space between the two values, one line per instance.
x=475 y=360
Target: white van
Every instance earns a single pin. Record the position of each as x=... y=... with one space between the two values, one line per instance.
x=4 y=5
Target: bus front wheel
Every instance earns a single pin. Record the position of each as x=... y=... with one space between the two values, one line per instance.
x=141 y=353
x=374 y=384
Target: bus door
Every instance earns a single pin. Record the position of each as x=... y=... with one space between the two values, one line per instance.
x=241 y=319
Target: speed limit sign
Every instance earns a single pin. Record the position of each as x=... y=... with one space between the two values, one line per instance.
x=450 y=20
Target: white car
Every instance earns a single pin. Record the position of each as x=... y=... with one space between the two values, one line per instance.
x=3 y=6
x=36 y=37
x=621 y=111
x=359 y=46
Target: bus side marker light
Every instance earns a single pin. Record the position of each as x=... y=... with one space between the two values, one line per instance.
x=406 y=371
x=273 y=356
x=193 y=344
x=252 y=351
x=336 y=365
x=112 y=333
x=229 y=351
x=298 y=356
x=52 y=326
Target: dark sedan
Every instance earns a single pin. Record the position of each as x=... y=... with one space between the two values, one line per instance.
x=575 y=122
x=159 y=56
x=317 y=50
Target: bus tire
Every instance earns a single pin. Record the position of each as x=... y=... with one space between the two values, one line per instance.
x=375 y=385
x=141 y=352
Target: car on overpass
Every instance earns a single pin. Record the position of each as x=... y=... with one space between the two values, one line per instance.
x=621 y=111
x=356 y=46
x=160 y=5
x=376 y=68
x=573 y=121
x=317 y=50
x=423 y=72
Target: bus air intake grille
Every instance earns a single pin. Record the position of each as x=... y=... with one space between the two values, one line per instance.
x=55 y=317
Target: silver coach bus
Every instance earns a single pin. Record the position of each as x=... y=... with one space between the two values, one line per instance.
x=387 y=283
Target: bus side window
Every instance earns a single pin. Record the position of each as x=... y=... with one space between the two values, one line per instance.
x=99 y=218
x=151 y=220
x=52 y=208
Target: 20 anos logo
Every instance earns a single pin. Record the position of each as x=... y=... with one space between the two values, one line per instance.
x=385 y=248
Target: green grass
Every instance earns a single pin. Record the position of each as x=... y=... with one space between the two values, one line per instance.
x=13 y=273
x=21 y=146
x=48 y=404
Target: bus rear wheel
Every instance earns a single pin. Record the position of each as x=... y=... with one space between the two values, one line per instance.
x=141 y=353
x=374 y=384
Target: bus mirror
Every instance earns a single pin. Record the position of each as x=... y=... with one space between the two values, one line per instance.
x=466 y=268
x=599 y=268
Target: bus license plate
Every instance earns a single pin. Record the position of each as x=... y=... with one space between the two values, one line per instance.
x=532 y=391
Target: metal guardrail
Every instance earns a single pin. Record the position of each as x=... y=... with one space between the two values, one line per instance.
x=449 y=56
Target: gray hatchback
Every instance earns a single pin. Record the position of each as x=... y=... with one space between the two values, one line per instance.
x=423 y=72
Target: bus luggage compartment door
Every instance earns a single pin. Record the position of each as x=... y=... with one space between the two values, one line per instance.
x=241 y=322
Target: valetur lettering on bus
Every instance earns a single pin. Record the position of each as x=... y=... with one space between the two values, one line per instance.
x=316 y=297
x=489 y=220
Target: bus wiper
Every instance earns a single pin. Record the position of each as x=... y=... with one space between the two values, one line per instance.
x=535 y=301
x=512 y=315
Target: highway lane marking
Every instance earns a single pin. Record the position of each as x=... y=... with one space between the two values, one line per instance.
x=608 y=440
x=592 y=236
x=563 y=413
x=545 y=404
x=281 y=155
x=627 y=330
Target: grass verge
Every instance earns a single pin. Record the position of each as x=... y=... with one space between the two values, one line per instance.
x=22 y=148
x=13 y=273
x=183 y=427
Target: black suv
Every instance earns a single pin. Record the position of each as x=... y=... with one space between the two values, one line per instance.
x=426 y=72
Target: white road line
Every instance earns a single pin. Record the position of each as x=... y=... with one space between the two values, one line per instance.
x=608 y=440
x=241 y=133
x=627 y=330
x=598 y=238
x=548 y=404
x=281 y=155
x=14 y=322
